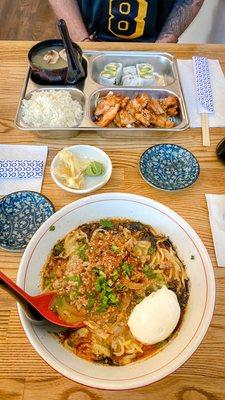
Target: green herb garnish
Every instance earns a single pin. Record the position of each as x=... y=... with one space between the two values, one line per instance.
x=74 y=294
x=106 y=224
x=52 y=228
x=160 y=279
x=115 y=249
x=149 y=272
x=81 y=251
x=127 y=268
x=58 y=248
x=110 y=282
x=100 y=283
x=149 y=290
x=91 y=300
x=96 y=270
x=115 y=275
x=107 y=299
x=112 y=298
x=103 y=303
x=138 y=298
x=151 y=250
x=58 y=302
x=74 y=278
x=104 y=288
x=192 y=257
x=120 y=288
x=47 y=284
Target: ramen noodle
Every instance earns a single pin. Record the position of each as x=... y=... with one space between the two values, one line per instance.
x=101 y=271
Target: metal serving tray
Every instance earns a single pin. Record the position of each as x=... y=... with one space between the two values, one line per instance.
x=87 y=93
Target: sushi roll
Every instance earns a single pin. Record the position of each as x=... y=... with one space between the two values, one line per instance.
x=130 y=77
x=111 y=74
x=145 y=73
x=131 y=80
x=131 y=70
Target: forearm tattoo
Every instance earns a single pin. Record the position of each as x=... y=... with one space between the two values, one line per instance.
x=182 y=14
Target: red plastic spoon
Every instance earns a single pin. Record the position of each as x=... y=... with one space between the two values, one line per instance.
x=36 y=307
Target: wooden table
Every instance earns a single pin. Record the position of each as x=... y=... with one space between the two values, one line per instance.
x=23 y=374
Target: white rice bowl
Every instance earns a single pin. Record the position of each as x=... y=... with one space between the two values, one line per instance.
x=52 y=109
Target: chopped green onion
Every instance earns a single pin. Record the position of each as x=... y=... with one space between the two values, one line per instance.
x=110 y=283
x=81 y=251
x=152 y=250
x=127 y=268
x=47 y=284
x=100 y=283
x=103 y=305
x=149 y=290
x=160 y=279
x=58 y=248
x=97 y=286
x=113 y=298
x=106 y=223
x=149 y=272
x=58 y=302
x=91 y=300
x=52 y=228
x=120 y=288
x=138 y=298
x=74 y=294
x=115 y=249
x=74 y=278
x=115 y=275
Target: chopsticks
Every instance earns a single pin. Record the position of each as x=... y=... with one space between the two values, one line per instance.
x=205 y=130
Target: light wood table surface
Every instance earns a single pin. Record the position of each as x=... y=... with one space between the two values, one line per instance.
x=23 y=374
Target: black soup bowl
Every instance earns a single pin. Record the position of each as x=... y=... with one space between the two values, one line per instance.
x=51 y=76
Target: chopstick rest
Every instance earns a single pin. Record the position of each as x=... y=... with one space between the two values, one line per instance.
x=204 y=94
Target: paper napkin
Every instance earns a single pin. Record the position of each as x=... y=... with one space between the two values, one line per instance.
x=21 y=167
x=216 y=207
x=186 y=71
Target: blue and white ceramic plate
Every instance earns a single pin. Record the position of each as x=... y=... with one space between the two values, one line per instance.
x=169 y=167
x=21 y=214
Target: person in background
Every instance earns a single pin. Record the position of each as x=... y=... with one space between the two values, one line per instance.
x=117 y=20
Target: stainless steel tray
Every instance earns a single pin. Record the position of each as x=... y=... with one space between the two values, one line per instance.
x=167 y=82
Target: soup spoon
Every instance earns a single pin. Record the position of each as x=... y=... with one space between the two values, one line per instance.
x=37 y=308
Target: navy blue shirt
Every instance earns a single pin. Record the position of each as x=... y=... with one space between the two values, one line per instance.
x=119 y=20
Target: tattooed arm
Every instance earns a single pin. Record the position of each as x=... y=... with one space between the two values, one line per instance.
x=182 y=14
x=69 y=10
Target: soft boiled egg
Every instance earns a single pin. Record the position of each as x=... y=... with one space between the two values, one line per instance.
x=155 y=317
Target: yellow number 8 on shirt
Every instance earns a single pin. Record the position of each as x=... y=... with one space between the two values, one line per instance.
x=120 y=23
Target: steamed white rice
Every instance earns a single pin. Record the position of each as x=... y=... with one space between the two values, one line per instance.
x=51 y=109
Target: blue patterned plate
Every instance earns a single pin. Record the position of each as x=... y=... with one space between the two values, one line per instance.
x=21 y=214
x=169 y=167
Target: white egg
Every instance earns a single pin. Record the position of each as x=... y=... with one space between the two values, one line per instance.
x=155 y=317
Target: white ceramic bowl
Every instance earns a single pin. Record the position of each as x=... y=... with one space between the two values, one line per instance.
x=199 y=309
x=91 y=183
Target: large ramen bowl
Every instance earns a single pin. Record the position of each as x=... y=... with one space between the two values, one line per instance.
x=198 y=312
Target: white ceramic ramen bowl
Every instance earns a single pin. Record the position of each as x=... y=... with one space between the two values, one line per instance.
x=199 y=309
x=91 y=183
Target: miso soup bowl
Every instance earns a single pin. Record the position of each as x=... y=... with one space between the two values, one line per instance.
x=50 y=76
x=197 y=316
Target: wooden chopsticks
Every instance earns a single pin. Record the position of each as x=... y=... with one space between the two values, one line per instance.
x=205 y=130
